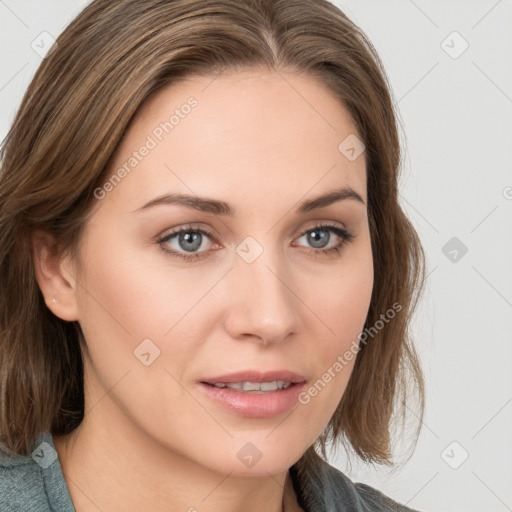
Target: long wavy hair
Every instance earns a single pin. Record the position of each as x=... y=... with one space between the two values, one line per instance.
x=85 y=93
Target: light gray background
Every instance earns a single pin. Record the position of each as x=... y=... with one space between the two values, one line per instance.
x=457 y=123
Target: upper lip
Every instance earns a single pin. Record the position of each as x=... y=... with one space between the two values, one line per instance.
x=256 y=376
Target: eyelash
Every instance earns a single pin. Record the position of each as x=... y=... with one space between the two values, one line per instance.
x=343 y=234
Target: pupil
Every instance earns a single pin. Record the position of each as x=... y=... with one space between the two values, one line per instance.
x=319 y=238
x=194 y=239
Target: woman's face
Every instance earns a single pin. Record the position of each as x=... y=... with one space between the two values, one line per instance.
x=261 y=281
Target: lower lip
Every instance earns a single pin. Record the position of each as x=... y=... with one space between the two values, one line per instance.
x=255 y=405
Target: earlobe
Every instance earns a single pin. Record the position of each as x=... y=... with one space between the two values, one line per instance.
x=57 y=285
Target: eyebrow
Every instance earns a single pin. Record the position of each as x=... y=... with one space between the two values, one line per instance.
x=217 y=207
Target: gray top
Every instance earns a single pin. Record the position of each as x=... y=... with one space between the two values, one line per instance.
x=36 y=484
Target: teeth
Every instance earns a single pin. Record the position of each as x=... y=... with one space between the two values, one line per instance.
x=269 y=386
x=255 y=386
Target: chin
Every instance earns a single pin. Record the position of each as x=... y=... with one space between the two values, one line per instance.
x=259 y=457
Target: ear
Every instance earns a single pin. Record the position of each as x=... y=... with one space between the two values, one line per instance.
x=55 y=276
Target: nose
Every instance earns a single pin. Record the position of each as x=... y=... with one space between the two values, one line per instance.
x=261 y=304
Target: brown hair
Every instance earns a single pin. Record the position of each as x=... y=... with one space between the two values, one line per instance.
x=107 y=62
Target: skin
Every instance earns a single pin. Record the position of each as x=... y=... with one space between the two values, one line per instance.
x=151 y=440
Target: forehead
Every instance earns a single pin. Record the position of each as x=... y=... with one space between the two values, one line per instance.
x=215 y=135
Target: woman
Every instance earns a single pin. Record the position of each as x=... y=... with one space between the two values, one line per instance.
x=206 y=275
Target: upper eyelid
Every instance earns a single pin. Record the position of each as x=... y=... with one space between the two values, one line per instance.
x=315 y=224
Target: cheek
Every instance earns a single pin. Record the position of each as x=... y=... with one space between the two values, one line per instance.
x=130 y=294
x=117 y=288
x=141 y=331
x=340 y=299
x=340 y=306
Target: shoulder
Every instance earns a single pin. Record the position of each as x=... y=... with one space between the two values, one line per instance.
x=21 y=484
x=323 y=488
x=33 y=482
x=376 y=500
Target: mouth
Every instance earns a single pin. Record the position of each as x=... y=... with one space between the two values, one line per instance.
x=253 y=387
x=255 y=394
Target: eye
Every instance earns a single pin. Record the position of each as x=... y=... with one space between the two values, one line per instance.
x=187 y=242
x=320 y=238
